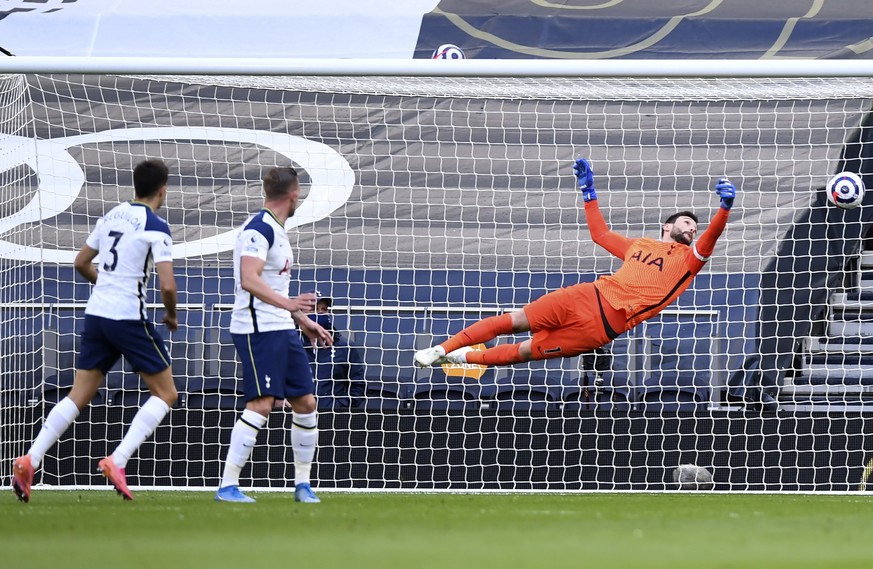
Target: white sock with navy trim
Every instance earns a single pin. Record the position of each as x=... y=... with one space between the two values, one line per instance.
x=144 y=424
x=304 y=438
x=56 y=423
x=242 y=441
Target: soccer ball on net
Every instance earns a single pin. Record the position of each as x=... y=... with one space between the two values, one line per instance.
x=692 y=477
x=448 y=51
x=846 y=190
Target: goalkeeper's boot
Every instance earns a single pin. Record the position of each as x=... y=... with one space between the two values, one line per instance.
x=430 y=356
x=303 y=493
x=232 y=494
x=116 y=476
x=22 y=477
x=458 y=356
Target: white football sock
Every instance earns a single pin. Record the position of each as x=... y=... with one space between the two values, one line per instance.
x=304 y=438
x=144 y=424
x=242 y=440
x=58 y=421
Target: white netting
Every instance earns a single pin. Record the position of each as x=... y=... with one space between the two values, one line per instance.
x=462 y=205
x=20 y=286
x=632 y=89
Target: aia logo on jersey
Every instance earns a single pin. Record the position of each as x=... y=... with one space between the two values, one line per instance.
x=286 y=268
x=648 y=260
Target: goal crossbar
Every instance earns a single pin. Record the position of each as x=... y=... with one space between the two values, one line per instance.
x=426 y=67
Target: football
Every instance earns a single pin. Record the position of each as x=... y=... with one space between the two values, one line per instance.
x=846 y=190
x=448 y=51
x=692 y=477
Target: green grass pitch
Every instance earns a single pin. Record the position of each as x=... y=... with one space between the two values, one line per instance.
x=187 y=530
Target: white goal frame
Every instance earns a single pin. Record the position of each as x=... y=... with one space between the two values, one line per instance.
x=456 y=68
x=470 y=68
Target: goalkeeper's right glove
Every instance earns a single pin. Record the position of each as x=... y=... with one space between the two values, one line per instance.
x=727 y=192
x=585 y=177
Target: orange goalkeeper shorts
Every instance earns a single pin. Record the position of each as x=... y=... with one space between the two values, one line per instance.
x=571 y=321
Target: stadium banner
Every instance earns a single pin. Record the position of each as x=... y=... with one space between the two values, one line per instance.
x=668 y=29
x=213 y=28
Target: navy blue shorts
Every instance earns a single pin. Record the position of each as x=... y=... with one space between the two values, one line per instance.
x=103 y=341
x=274 y=364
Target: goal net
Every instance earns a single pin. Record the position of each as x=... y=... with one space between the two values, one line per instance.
x=429 y=203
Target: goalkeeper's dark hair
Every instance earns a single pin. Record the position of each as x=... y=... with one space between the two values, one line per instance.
x=278 y=182
x=677 y=215
x=149 y=177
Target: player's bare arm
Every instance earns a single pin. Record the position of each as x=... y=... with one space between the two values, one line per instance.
x=167 y=283
x=84 y=263
x=251 y=281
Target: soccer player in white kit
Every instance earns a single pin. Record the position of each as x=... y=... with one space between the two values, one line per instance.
x=126 y=242
x=263 y=326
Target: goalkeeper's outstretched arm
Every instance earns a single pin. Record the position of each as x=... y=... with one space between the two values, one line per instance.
x=613 y=242
x=705 y=245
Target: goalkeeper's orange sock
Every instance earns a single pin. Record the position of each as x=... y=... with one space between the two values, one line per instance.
x=505 y=354
x=480 y=332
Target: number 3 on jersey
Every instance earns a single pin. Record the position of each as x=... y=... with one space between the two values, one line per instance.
x=116 y=235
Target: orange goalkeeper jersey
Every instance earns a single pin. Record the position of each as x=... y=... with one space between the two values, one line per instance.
x=654 y=273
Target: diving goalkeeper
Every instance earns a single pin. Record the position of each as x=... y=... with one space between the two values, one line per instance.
x=585 y=316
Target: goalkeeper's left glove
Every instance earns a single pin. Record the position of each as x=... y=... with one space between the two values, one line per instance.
x=727 y=192
x=585 y=177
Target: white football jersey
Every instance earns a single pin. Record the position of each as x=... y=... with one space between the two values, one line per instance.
x=129 y=239
x=262 y=236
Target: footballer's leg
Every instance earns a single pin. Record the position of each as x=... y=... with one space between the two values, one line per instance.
x=504 y=354
x=586 y=324
x=452 y=350
x=304 y=439
x=58 y=420
x=143 y=425
x=300 y=388
x=243 y=437
x=144 y=348
x=267 y=352
x=55 y=424
x=95 y=355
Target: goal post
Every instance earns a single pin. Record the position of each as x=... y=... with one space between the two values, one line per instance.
x=436 y=194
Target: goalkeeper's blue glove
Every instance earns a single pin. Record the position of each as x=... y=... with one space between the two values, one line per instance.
x=585 y=177
x=727 y=192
